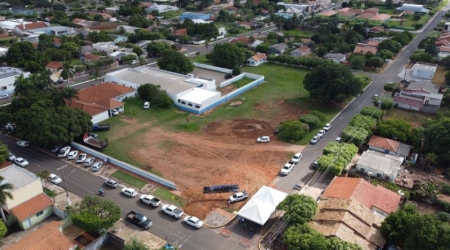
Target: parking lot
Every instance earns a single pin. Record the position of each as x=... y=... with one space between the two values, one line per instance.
x=218 y=76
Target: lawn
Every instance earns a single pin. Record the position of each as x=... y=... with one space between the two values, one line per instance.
x=439 y=76
x=227 y=26
x=201 y=59
x=410 y=22
x=134 y=181
x=242 y=82
x=170 y=197
x=173 y=14
x=385 y=10
x=414 y=117
x=298 y=33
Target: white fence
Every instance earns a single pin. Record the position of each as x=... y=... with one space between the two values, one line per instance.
x=213 y=68
x=234 y=79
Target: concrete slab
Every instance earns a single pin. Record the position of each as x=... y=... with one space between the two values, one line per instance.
x=72 y=232
x=218 y=76
x=217 y=218
x=128 y=232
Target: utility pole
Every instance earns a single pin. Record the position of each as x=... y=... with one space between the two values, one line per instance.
x=65 y=184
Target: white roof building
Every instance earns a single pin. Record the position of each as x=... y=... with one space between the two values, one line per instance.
x=12 y=23
x=108 y=47
x=379 y=165
x=161 y=8
x=8 y=76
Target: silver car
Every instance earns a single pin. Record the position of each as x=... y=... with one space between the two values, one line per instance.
x=315 y=139
x=96 y=166
x=89 y=161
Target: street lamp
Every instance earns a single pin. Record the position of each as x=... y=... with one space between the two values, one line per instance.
x=65 y=185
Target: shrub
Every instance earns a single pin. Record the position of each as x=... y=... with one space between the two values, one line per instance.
x=236 y=71
x=418 y=26
x=319 y=115
x=389 y=87
x=372 y=112
x=291 y=130
x=305 y=128
x=310 y=119
x=443 y=216
x=355 y=135
x=445 y=189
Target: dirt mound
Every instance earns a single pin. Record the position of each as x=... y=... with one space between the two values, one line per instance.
x=251 y=128
x=214 y=128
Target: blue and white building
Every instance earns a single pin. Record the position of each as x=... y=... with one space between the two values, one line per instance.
x=194 y=15
x=8 y=76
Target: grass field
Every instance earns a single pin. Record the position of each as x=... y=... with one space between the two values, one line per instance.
x=227 y=26
x=170 y=197
x=298 y=33
x=242 y=82
x=173 y=14
x=134 y=181
x=201 y=59
x=413 y=117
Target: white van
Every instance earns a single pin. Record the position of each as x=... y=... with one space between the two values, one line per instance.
x=146 y=105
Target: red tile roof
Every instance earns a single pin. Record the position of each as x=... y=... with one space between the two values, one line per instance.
x=151 y=17
x=144 y=4
x=373 y=43
x=348 y=13
x=47 y=237
x=444 y=49
x=376 y=29
x=54 y=65
x=4 y=34
x=56 y=40
x=367 y=15
x=77 y=20
x=259 y=56
x=384 y=143
x=91 y=109
x=242 y=39
x=363 y=192
x=363 y=49
x=31 y=207
x=372 y=10
x=91 y=57
x=32 y=26
x=180 y=32
x=304 y=49
x=380 y=17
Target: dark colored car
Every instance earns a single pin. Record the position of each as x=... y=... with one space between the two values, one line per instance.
x=277 y=129
x=59 y=81
x=228 y=76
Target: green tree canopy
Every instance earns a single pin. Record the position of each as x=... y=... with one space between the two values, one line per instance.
x=355 y=135
x=391 y=45
x=331 y=82
x=134 y=244
x=304 y=237
x=3 y=152
x=5 y=193
x=155 y=49
x=3 y=229
x=395 y=128
x=174 y=61
x=291 y=130
x=436 y=139
x=338 y=244
x=336 y=156
x=363 y=121
x=24 y=55
x=94 y=213
x=310 y=119
x=298 y=207
x=358 y=61
x=372 y=112
x=229 y=55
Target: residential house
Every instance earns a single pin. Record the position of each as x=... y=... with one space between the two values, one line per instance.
x=107 y=17
x=99 y=100
x=91 y=58
x=194 y=15
x=112 y=9
x=150 y=17
x=222 y=31
x=245 y=25
x=428 y=103
x=424 y=70
x=378 y=165
x=255 y=43
x=444 y=51
x=107 y=47
x=329 y=13
x=57 y=42
x=231 y=10
x=161 y=8
x=257 y=59
x=295 y=8
x=373 y=43
x=20 y=28
x=371 y=10
x=381 y=200
x=350 y=221
x=416 y=8
x=86 y=24
x=11 y=24
x=87 y=49
x=127 y=28
x=48 y=237
x=8 y=76
x=30 y=205
x=389 y=146
x=54 y=66
x=335 y=57
x=375 y=30
x=278 y=48
x=364 y=49
x=119 y=38
x=180 y=32
x=301 y=51
x=379 y=19
x=365 y=16
x=422 y=88
x=145 y=5
x=346 y=15
x=36 y=29
x=240 y=39
x=443 y=40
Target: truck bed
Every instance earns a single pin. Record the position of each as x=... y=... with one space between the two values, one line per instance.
x=94 y=142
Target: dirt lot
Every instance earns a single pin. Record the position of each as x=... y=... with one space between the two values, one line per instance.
x=225 y=152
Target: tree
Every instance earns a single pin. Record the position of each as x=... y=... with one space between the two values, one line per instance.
x=184 y=39
x=446 y=62
x=67 y=72
x=396 y=227
x=229 y=55
x=236 y=71
x=383 y=102
x=149 y=92
x=45 y=42
x=321 y=51
x=3 y=229
x=372 y=112
x=298 y=207
x=128 y=59
x=164 y=101
x=24 y=55
x=174 y=61
x=134 y=244
x=304 y=237
x=336 y=243
x=355 y=135
x=357 y=62
x=374 y=61
x=420 y=55
x=390 y=45
x=72 y=48
x=291 y=130
x=389 y=4
x=386 y=54
x=336 y=156
x=447 y=78
x=155 y=49
x=94 y=214
x=331 y=82
x=395 y=128
x=4 y=152
x=310 y=119
x=435 y=139
x=5 y=193
x=68 y=94
x=138 y=20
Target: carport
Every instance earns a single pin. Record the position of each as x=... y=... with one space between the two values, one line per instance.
x=261 y=206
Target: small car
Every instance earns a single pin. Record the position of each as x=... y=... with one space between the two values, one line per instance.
x=193 y=221
x=277 y=129
x=59 y=81
x=228 y=76
x=72 y=155
x=287 y=168
x=114 y=112
x=327 y=127
x=111 y=183
x=263 y=139
x=4 y=96
x=190 y=75
x=23 y=144
x=21 y=162
x=129 y=192
x=89 y=161
x=315 y=164
x=96 y=166
x=81 y=158
x=120 y=110
x=338 y=139
x=11 y=157
x=146 y=105
x=55 y=148
x=64 y=152
x=321 y=133
x=296 y=158
x=54 y=179
x=315 y=139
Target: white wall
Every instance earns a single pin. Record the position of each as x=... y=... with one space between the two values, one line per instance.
x=25 y=193
x=7 y=83
x=100 y=117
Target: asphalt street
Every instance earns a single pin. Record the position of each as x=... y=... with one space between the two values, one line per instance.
x=303 y=172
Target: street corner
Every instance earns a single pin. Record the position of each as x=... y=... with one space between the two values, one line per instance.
x=218 y=218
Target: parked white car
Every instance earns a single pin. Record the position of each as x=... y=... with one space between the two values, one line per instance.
x=327 y=127
x=321 y=133
x=81 y=158
x=72 y=155
x=21 y=162
x=296 y=158
x=146 y=105
x=23 y=144
x=129 y=192
x=172 y=211
x=11 y=157
x=193 y=221
x=114 y=112
x=3 y=96
x=287 y=168
x=64 y=152
x=315 y=139
x=263 y=139
x=54 y=179
x=338 y=139
x=96 y=166
x=89 y=161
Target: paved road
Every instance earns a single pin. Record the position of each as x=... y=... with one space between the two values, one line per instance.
x=303 y=172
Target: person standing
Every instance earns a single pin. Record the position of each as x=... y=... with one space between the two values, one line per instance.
x=228 y=202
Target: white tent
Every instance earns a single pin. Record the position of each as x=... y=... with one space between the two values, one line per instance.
x=259 y=208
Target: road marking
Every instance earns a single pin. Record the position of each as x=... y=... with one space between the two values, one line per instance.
x=62 y=167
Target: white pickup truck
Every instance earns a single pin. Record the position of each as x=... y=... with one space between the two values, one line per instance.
x=172 y=211
x=239 y=196
x=150 y=200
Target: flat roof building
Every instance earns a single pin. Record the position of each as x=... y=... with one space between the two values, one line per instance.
x=8 y=76
x=379 y=165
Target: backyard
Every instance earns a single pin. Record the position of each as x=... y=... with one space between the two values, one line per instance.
x=219 y=144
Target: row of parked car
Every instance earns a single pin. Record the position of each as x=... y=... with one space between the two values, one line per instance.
x=321 y=133
x=66 y=152
x=287 y=168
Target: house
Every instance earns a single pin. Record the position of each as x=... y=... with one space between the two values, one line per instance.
x=349 y=220
x=364 y=49
x=424 y=70
x=81 y=23
x=301 y=51
x=35 y=29
x=389 y=146
x=54 y=66
x=378 y=165
x=91 y=57
x=365 y=16
x=422 y=88
x=180 y=32
x=257 y=59
x=107 y=17
x=255 y=43
x=428 y=103
x=240 y=39
x=443 y=40
x=245 y=25
x=87 y=49
x=335 y=57
x=279 y=48
x=416 y=8
x=49 y=237
x=8 y=76
x=99 y=100
x=373 y=43
x=231 y=10
x=161 y=8
x=145 y=4
x=376 y=30
x=119 y=38
x=379 y=19
x=127 y=28
x=107 y=47
x=30 y=26
x=113 y=9
x=150 y=17
x=57 y=42
x=222 y=31
x=371 y=10
x=30 y=204
x=381 y=200
x=194 y=15
x=444 y=51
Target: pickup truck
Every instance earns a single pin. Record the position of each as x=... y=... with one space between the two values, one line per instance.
x=101 y=127
x=172 y=211
x=139 y=220
x=150 y=200
x=239 y=196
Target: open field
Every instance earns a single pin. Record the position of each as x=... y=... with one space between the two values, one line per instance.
x=414 y=117
x=439 y=76
x=219 y=146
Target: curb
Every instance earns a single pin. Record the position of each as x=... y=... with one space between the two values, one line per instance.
x=215 y=227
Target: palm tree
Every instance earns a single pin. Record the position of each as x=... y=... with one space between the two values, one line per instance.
x=97 y=74
x=46 y=78
x=5 y=193
x=69 y=94
x=67 y=72
x=44 y=174
x=22 y=85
